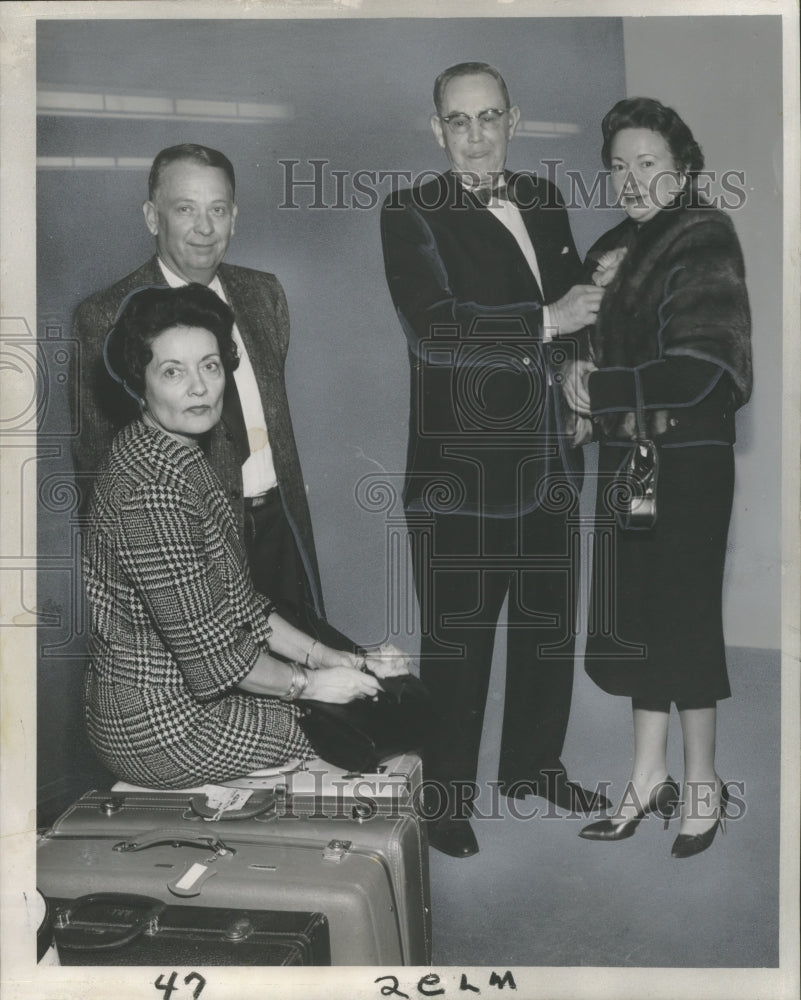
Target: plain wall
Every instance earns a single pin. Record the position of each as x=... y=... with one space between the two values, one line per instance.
x=358 y=95
x=729 y=91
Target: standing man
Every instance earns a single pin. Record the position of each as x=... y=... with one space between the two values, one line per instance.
x=191 y=212
x=472 y=257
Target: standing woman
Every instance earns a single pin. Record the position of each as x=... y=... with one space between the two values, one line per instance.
x=671 y=364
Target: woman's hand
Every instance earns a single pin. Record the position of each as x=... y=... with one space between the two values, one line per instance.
x=387 y=661
x=575 y=378
x=339 y=685
x=324 y=657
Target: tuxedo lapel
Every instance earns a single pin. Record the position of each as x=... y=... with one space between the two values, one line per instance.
x=536 y=219
x=495 y=233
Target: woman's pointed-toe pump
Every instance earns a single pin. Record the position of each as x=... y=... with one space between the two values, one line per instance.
x=687 y=845
x=663 y=801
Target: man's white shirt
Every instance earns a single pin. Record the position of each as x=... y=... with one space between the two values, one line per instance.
x=509 y=214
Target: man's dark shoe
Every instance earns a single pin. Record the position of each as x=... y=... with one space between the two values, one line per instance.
x=554 y=785
x=566 y=794
x=453 y=836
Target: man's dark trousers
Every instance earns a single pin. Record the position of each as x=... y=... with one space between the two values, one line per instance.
x=464 y=561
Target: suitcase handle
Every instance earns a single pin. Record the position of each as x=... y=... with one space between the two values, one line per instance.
x=206 y=841
x=84 y=939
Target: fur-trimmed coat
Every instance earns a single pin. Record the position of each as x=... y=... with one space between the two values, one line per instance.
x=672 y=339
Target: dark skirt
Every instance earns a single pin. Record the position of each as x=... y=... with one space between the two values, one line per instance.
x=655 y=629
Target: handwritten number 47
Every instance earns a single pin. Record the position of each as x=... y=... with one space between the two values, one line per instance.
x=169 y=987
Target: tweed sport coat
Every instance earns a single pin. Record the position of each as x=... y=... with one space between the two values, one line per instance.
x=262 y=317
x=176 y=624
x=484 y=426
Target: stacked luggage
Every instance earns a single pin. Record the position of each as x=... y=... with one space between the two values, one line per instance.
x=314 y=866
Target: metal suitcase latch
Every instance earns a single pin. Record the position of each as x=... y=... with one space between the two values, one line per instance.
x=104 y=921
x=335 y=850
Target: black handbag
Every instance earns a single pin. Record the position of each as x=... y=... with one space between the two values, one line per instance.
x=639 y=475
x=357 y=736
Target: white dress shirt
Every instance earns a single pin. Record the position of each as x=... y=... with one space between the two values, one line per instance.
x=509 y=214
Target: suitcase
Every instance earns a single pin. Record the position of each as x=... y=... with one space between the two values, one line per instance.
x=368 y=875
x=320 y=789
x=317 y=788
x=123 y=929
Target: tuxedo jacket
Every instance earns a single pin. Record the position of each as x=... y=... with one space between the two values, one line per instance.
x=484 y=426
x=262 y=318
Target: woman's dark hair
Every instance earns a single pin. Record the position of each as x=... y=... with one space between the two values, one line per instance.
x=645 y=112
x=151 y=310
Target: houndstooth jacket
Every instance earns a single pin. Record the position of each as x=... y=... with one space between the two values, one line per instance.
x=175 y=624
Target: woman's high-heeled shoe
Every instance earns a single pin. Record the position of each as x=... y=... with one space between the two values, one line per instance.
x=663 y=801
x=687 y=845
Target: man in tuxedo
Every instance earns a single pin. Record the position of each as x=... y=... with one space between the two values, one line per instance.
x=484 y=275
x=191 y=212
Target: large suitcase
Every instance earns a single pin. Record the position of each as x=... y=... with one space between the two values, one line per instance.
x=367 y=875
x=317 y=788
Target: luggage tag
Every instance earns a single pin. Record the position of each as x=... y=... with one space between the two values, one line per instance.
x=192 y=879
x=195 y=873
x=224 y=800
x=218 y=802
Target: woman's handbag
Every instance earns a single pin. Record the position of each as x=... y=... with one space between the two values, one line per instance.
x=357 y=736
x=639 y=475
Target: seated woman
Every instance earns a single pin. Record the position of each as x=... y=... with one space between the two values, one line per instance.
x=192 y=674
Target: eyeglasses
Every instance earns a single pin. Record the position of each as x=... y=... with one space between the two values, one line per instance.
x=488 y=120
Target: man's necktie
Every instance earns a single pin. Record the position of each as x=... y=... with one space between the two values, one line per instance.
x=234 y=420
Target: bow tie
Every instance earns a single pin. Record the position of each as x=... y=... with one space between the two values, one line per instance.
x=486 y=195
